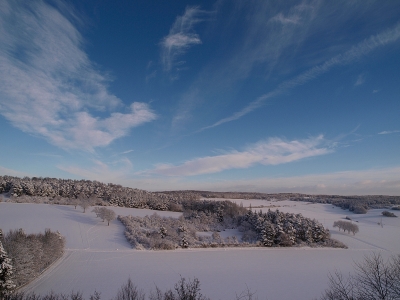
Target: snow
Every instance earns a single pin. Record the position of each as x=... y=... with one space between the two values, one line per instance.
x=99 y=258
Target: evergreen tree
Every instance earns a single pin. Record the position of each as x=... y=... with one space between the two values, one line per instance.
x=6 y=284
x=267 y=235
x=163 y=231
x=184 y=243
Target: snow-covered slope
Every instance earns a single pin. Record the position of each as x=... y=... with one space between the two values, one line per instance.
x=99 y=258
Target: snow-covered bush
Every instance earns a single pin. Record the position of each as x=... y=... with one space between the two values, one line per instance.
x=358 y=209
x=388 y=214
x=275 y=228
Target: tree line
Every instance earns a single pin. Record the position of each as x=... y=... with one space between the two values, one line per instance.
x=346 y=226
x=63 y=191
x=67 y=191
x=105 y=214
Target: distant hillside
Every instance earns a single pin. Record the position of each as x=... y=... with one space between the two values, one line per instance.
x=354 y=203
x=64 y=190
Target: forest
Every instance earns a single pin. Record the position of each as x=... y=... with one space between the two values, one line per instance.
x=65 y=191
x=153 y=232
x=270 y=229
x=31 y=254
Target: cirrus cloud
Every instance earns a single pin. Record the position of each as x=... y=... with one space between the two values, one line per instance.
x=355 y=53
x=271 y=152
x=181 y=36
x=48 y=85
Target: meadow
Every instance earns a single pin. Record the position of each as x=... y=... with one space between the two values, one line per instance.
x=98 y=257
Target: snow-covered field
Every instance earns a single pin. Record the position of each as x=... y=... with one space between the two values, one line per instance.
x=99 y=258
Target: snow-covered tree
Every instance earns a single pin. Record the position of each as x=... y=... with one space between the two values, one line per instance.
x=163 y=231
x=6 y=284
x=267 y=235
x=109 y=215
x=184 y=243
x=84 y=202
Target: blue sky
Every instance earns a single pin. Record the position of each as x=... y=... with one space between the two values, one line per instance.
x=265 y=96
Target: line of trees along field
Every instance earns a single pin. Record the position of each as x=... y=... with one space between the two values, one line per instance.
x=63 y=191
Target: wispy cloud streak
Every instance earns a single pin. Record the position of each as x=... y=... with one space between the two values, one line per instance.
x=272 y=152
x=389 y=131
x=48 y=85
x=181 y=36
x=116 y=172
x=355 y=53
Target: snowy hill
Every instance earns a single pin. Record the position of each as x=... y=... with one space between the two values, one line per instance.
x=99 y=258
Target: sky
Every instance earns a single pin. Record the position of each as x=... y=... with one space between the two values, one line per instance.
x=227 y=95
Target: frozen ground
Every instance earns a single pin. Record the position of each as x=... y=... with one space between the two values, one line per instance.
x=99 y=258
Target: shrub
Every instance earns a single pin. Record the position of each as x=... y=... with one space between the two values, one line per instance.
x=162 y=244
x=175 y=207
x=359 y=210
x=389 y=214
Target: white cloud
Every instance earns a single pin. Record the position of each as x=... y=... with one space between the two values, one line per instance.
x=267 y=36
x=263 y=38
x=354 y=182
x=389 y=131
x=272 y=152
x=280 y=18
x=363 y=182
x=127 y=151
x=354 y=53
x=48 y=85
x=11 y=172
x=114 y=172
x=360 y=80
x=181 y=36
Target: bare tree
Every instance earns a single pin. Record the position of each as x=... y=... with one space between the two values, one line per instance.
x=97 y=211
x=129 y=291
x=84 y=202
x=74 y=202
x=346 y=226
x=373 y=279
x=183 y=290
x=108 y=215
x=105 y=214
